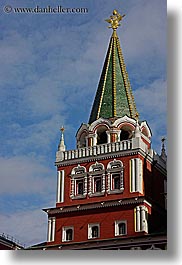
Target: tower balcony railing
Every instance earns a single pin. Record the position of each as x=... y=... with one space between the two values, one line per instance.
x=94 y=150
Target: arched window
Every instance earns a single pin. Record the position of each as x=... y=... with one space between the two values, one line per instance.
x=82 y=142
x=80 y=187
x=78 y=182
x=102 y=138
x=120 y=228
x=116 y=181
x=115 y=178
x=93 y=231
x=96 y=180
x=101 y=134
x=67 y=233
x=124 y=135
x=126 y=132
x=98 y=184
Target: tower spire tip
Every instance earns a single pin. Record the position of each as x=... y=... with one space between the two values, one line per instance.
x=115 y=19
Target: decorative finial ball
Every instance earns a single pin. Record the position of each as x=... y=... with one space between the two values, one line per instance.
x=62 y=129
x=115 y=12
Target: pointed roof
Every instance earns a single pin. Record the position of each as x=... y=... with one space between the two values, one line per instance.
x=114 y=96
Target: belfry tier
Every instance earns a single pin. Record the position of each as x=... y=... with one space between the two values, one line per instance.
x=107 y=131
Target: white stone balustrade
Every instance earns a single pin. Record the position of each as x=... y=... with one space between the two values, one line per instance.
x=93 y=150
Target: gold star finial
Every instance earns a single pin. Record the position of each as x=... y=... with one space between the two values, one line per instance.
x=115 y=19
x=62 y=129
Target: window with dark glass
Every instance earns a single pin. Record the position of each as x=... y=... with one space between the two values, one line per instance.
x=80 y=187
x=69 y=234
x=116 y=182
x=95 y=231
x=98 y=185
x=122 y=228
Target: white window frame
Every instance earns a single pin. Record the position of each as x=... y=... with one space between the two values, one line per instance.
x=117 y=223
x=80 y=180
x=96 y=170
x=78 y=173
x=64 y=230
x=115 y=167
x=90 y=227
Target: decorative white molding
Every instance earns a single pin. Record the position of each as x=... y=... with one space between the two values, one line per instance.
x=145 y=126
x=124 y=119
x=60 y=186
x=99 y=150
x=78 y=174
x=100 y=121
x=141 y=224
x=51 y=229
x=136 y=175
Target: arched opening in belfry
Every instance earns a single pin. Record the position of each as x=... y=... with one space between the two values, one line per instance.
x=126 y=133
x=82 y=142
x=101 y=135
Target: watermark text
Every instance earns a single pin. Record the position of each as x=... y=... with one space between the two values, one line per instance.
x=45 y=10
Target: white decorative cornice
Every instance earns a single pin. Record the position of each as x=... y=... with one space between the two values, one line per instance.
x=83 y=127
x=145 y=126
x=100 y=121
x=124 y=119
x=98 y=205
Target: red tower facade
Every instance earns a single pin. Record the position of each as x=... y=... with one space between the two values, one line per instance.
x=111 y=190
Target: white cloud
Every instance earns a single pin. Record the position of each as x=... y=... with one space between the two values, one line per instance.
x=151 y=103
x=152 y=99
x=145 y=30
x=29 y=227
x=25 y=175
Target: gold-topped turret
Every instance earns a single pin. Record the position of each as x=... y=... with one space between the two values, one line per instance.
x=62 y=146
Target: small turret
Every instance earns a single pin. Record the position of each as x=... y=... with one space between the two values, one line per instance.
x=61 y=146
x=163 y=150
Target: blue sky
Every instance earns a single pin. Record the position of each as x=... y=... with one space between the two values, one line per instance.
x=51 y=65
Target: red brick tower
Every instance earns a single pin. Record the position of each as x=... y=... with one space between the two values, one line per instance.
x=111 y=188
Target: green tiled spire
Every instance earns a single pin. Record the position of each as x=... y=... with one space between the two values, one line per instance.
x=114 y=96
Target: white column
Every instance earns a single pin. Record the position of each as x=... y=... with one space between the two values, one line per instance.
x=103 y=182
x=90 y=184
x=108 y=136
x=137 y=174
x=140 y=176
x=53 y=229
x=95 y=139
x=108 y=181
x=60 y=186
x=85 y=185
x=121 y=181
x=72 y=188
x=132 y=175
x=49 y=230
x=137 y=218
x=144 y=226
